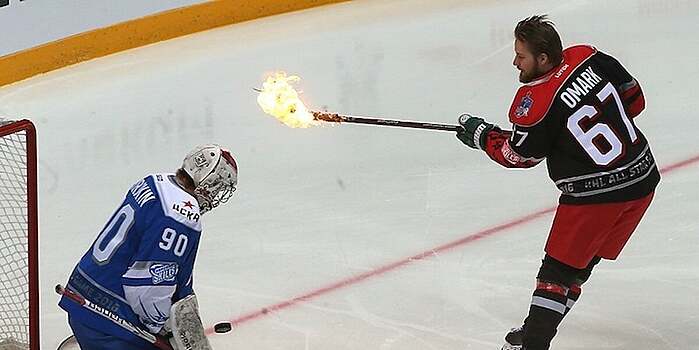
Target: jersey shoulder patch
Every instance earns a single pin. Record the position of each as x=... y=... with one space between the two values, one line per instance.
x=176 y=202
x=533 y=100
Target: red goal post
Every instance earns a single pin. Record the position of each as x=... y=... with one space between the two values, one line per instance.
x=19 y=249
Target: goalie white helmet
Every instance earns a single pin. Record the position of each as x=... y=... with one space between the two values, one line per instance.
x=215 y=175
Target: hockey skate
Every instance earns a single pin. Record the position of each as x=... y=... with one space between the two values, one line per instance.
x=513 y=339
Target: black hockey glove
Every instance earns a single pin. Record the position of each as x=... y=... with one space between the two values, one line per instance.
x=474 y=131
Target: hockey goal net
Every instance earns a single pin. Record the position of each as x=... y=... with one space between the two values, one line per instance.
x=19 y=299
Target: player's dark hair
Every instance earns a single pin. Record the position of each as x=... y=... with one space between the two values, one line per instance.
x=187 y=180
x=540 y=35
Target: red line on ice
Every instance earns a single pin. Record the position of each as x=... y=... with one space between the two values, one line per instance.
x=426 y=254
x=681 y=164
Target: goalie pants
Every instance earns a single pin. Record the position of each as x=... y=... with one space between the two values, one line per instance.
x=92 y=339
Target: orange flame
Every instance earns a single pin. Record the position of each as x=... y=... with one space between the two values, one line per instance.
x=279 y=99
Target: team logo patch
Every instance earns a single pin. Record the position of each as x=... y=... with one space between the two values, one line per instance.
x=524 y=106
x=186 y=209
x=163 y=272
x=200 y=160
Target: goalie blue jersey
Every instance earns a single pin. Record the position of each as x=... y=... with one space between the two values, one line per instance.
x=142 y=260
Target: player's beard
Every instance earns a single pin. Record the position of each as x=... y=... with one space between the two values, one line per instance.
x=529 y=76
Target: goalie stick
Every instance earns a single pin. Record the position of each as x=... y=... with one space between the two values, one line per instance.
x=157 y=341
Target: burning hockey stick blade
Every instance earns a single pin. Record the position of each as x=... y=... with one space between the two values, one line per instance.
x=328 y=117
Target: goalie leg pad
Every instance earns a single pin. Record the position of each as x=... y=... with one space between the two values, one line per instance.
x=187 y=329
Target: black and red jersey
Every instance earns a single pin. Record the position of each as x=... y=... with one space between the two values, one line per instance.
x=579 y=117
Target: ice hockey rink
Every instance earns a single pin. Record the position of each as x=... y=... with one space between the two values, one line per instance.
x=363 y=237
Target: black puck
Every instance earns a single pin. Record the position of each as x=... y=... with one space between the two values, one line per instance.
x=223 y=327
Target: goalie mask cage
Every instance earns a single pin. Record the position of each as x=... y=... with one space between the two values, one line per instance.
x=19 y=277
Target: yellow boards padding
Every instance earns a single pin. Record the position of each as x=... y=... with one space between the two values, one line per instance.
x=142 y=31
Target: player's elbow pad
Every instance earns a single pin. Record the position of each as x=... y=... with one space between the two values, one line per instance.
x=633 y=98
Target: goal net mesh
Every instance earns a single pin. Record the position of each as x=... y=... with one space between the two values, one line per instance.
x=14 y=233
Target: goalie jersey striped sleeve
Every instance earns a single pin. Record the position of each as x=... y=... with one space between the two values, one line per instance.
x=142 y=260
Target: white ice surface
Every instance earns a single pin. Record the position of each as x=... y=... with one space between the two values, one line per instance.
x=317 y=206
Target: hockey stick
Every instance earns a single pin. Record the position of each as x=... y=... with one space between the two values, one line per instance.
x=338 y=118
x=357 y=119
x=157 y=341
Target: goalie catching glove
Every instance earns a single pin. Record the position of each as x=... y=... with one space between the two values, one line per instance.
x=474 y=131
